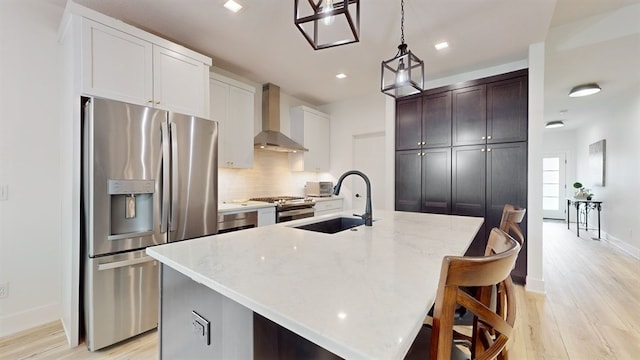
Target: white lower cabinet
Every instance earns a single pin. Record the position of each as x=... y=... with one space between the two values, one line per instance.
x=266 y=216
x=324 y=207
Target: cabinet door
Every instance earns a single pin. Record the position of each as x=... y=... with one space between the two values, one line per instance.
x=507 y=184
x=469 y=115
x=507 y=110
x=180 y=83
x=233 y=108
x=311 y=129
x=116 y=65
x=436 y=181
x=408 y=180
x=436 y=120
x=468 y=189
x=409 y=124
x=468 y=180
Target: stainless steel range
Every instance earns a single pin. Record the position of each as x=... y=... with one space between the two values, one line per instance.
x=290 y=207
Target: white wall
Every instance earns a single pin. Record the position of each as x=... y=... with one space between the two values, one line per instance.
x=356 y=116
x=30 y=78
x=620 y=195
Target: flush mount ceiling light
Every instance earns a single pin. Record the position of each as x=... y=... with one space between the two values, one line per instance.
x=554 y=124
x=403 y=74
x=584 y=90
x=328 y=23
x=341 y=76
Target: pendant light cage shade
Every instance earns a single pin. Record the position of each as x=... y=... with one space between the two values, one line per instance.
x=328 y=23
x=403 y=74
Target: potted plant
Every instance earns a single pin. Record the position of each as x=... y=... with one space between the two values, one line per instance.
x=581 y=192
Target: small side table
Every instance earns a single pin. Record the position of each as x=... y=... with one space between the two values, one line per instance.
x=586 y=206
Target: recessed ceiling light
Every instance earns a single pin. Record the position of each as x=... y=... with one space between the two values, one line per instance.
x=584 y=90
x=442 y=45
x=233 y=6
x=554 y=124
x=341 y=76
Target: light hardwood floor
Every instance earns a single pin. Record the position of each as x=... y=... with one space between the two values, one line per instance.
x=591 y=311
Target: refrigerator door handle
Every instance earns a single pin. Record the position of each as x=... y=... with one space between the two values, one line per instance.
x=174 y=178
x=164 y=220
x=123 y=263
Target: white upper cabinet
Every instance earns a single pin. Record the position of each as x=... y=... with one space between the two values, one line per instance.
x=180 y=83
x=311 y=128
x=123 y=66
x=232 y=105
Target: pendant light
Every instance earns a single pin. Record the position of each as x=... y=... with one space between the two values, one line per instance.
x=328 y=23
x=403 y=74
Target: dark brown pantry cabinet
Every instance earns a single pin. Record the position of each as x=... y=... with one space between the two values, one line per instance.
x=462 y=150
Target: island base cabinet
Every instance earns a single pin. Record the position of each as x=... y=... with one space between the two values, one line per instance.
x=272 y=341
x=230 y=324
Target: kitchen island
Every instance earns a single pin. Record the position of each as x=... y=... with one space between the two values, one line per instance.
x=359 y=293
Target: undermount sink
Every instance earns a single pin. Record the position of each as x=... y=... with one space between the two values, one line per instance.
x=332 y=226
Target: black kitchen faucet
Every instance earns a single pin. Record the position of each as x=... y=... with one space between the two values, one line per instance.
x=368 y=213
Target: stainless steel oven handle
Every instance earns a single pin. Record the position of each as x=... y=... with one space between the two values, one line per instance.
x=123 y=263
x=309 y=210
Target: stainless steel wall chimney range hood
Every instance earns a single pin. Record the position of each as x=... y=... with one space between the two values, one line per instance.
x=271 y=138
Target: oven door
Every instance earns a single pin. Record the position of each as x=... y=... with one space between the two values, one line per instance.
x=294 y=214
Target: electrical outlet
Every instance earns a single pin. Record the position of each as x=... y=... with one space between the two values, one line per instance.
x=4 y=290
x=201 y=327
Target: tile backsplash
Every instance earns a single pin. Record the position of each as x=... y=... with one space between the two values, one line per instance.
x=270 y=176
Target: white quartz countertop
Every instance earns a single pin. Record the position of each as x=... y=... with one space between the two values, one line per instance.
x=241 y=206
x=359 y=294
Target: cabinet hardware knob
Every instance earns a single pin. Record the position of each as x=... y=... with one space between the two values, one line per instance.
x=489 y=137
x=423 y=143
x=482 y=149
x=158 y=102
x=483 y=138
x=489 y=149
x=419 y=143
x=150 y=101
x=423 y=154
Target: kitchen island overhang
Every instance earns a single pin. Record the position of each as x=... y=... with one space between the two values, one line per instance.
x=358 y=294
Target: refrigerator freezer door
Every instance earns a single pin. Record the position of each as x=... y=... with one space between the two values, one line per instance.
x=194 y=173
x=122 y=167
x=121 y=297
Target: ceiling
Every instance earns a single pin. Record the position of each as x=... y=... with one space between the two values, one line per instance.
x=261 y=43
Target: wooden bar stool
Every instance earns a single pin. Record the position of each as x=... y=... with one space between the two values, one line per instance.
x=511 y=217
x=493 y=326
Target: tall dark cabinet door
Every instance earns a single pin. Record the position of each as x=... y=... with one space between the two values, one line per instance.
x=468 y=189
x=468 y=180
x=408 y=180
x=507 y=110
x=436 y=181
x=507 y=184
x=436 y=120
x=409 y=124
x=469 y=117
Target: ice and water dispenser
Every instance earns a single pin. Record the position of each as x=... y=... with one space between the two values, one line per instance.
x=131 y=208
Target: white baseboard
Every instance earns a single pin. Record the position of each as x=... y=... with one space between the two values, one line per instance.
x=624 y=246
x=535 y=285
x=24 y=320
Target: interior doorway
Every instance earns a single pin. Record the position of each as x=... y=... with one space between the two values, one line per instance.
x=554 y=186
x=368 y=157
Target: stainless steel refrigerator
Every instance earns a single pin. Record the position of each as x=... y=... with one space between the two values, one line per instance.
x=149 y=177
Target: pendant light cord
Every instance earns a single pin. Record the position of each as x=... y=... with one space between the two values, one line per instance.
x=402 y=21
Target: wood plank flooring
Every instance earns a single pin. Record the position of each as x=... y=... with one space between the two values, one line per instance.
x=591 y=311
